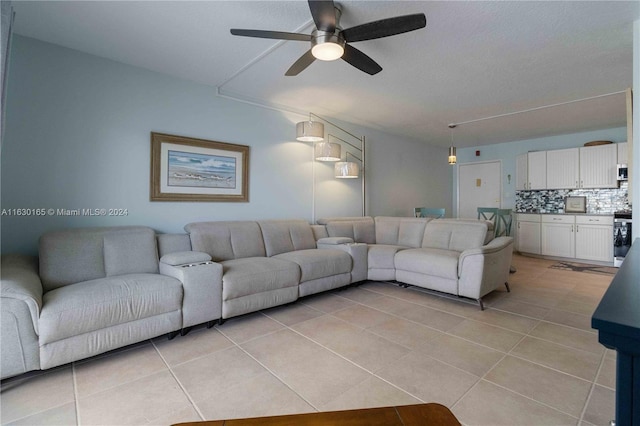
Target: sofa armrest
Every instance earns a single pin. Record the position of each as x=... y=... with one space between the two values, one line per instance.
x=359 y=255
x=335 y=240
x=185 y=258
x=20 y=305
x=482 y=270
x=202 y=284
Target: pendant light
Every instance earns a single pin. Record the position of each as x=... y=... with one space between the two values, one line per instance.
x=310 y=131
x=452 y=149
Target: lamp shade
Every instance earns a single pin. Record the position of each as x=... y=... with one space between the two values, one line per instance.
x=309 y=131
x=327 y=151
x=346 y=170
x=452 y=155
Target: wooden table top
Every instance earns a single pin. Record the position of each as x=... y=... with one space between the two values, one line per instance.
x=404 y=415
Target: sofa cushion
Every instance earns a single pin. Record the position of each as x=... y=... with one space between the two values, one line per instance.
x=226 y=240
x=92 y=305
x=130 y=252
x=75 y=255
x=429 y=261
x=242 y=277
x=360 y=229
x=402 y=231
x=318 y=263
x=283 y=236
x=381 y=256
x=454 y=235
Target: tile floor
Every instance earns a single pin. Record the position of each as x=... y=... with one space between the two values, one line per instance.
x=530 y=358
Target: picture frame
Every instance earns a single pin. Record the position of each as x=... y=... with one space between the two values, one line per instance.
x=190 y=169
x=575 y=204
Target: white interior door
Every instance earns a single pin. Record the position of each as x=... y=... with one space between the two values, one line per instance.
x=479 y=185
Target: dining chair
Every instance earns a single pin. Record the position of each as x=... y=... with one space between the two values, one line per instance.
x=435 y=213
x=488 y=213
x=504 y=220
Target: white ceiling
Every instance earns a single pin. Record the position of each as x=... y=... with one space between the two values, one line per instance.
x=473 y=60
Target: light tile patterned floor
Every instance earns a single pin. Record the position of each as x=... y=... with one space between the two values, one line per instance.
x=530 y=358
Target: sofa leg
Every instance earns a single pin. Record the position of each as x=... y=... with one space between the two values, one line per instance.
x=481 y=304
x=173 y=334
x=506 y=284
x=185 y=331
x=210 y=324
x=220 y=321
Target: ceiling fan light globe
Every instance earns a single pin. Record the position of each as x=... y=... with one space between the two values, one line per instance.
x=327 y=51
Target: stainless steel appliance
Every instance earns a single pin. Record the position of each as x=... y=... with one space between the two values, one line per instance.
x=623 y=172
x=621 y=236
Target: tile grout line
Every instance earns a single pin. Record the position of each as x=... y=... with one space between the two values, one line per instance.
x=184 y=390
x=76 y=396
x=593 y=386
x=44 y=372
x=510 y=390
x=267 y=368
x=359 y=366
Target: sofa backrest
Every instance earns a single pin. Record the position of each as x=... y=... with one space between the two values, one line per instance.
x=76 y=255
x=227 y=240
x=454 y=235
x=171 y=243
x=359 y=229
x=401 y=231
x=283 y=236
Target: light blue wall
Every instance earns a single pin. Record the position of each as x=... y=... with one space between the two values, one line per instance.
x=78 y=136
x=508 y=151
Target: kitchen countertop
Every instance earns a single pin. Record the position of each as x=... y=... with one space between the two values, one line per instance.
x=574 y=214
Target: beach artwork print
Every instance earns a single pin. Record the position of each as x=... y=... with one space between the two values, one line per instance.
x=188 y=169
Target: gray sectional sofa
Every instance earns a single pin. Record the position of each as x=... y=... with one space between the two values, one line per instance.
x=97 y=289
x=94 y=290
x=459 y=257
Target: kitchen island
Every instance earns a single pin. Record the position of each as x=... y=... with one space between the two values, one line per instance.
x=617 y=319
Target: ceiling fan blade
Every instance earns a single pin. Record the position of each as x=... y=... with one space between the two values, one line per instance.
x=360 y=60
x=385 y=27
x=303 y=62
x=271 y=34
x=324 y=14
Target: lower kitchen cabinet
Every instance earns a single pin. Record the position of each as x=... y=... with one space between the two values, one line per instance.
x=580 y=237
x=594 y=238
x=528 y=233
x=557 y=235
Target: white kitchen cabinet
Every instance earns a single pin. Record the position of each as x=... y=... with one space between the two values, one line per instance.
x=598 y=166
x=521 y=172
x=537 y=170
x=557 y=235
x=528 y=233
x=563 y=168
x=623 y=155
x=594 y=238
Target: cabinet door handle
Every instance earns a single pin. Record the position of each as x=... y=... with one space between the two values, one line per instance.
x=572 y=228
x=577 y=228
x=581 y=184
x=576 y=184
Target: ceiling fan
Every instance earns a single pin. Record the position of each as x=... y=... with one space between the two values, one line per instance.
x=330 y=42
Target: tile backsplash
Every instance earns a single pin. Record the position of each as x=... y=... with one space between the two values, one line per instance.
x=601 y=201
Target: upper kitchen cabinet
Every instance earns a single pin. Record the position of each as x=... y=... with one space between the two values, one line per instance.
x=598 y=166
x=623 y=156
x=537 y=170
x=521 y=172
x=563 y=168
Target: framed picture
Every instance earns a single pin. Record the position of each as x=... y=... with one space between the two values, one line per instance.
x=575 y=205
x=188 y=169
